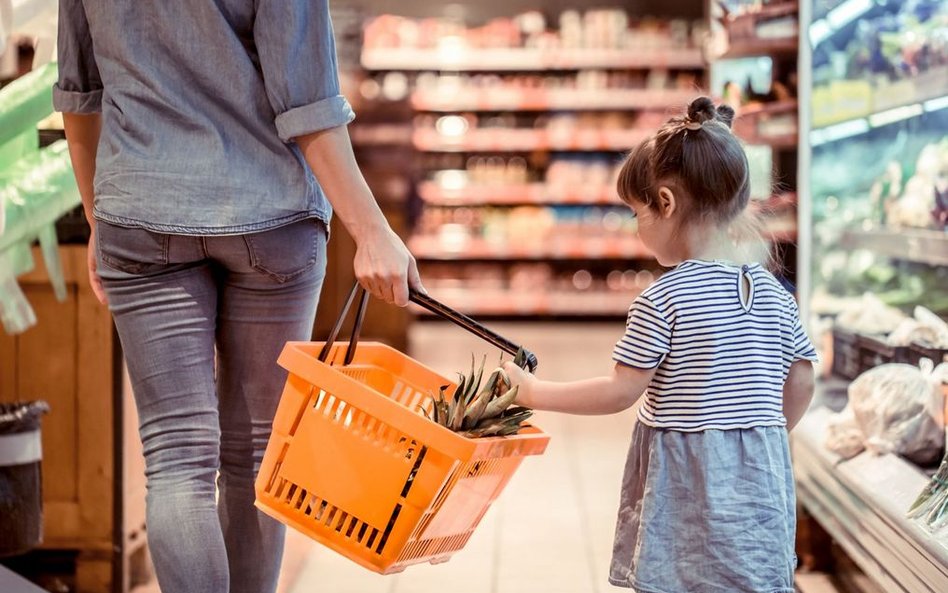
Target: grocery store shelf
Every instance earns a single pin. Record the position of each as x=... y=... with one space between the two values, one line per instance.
x=916 y=245
x=768 y=108
x=525 y=60
x=930 y=102
x=760 y=47
x=534 y=303
x=785 y=141
x=862 y=502
x=381 y=134
x=559 y=247
x=515 y=195
x=515 y=99
x=841 y=15
x=528 y=140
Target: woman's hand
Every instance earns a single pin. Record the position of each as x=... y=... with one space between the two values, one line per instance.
x=385 y=268
x=94 y=281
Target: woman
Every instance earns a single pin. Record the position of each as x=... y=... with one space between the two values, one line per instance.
x=208 y=139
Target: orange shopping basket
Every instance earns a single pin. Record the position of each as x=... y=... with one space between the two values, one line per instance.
x=353 y=464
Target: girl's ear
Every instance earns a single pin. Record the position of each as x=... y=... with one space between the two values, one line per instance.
x=667 y=204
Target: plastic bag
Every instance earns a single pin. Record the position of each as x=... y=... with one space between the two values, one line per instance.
x=924 y=328
x=893 y=408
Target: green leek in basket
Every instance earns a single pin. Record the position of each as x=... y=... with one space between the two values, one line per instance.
x=932 y=503
x=480 y=410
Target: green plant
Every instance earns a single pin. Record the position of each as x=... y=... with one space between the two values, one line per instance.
x=477 y=410
x=932 y=503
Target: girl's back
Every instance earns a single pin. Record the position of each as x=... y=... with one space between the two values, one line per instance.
x=723 y=338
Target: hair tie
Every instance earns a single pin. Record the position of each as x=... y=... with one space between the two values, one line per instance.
x=693 y=126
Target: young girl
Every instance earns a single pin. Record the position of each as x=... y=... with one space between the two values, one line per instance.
x=717 y=348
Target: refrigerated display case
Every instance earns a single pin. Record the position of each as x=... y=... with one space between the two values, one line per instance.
x=873 y=249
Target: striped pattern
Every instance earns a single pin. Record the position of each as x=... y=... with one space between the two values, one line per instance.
x=721 y=364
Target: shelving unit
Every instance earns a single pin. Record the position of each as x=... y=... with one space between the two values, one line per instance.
x=577 y=248
x=527 y=140
x=528 y=114
x=872 y=127
x=452 y=59
x=526 y=99
x=739 y=37
x=915 y=245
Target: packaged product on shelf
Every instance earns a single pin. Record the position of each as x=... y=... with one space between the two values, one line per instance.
x=894 y=408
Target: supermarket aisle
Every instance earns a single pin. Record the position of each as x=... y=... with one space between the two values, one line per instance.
x=551 y=530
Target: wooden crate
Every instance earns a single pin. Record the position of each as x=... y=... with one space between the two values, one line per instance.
x=93 y=472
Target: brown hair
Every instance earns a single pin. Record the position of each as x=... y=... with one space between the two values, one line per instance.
x=697 y=155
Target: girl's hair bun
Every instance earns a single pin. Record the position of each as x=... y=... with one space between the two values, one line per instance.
x=726 y=115
x=702 y=110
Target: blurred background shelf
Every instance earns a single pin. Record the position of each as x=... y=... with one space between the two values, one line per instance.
x=760 y=47
x=556 y=248
x=515 y=195
x=524 y=59
x=916 y=245
x=515 y=99
x=526 y=140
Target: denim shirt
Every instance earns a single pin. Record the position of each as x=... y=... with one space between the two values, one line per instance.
x=200 y=103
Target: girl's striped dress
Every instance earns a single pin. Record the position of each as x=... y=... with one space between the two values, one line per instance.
x=707 y=502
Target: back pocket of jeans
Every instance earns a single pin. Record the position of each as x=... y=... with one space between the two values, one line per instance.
x=286 y=252
x=131 y=250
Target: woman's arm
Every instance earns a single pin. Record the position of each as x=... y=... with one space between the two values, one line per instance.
x=382 y=262
x=797 y=392
x=597 y=396
x=82 y=135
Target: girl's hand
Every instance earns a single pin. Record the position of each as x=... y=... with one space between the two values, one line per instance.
x=525 y=381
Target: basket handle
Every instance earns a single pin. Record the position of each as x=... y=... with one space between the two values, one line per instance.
x=428 y=303
x=356 y=325
x=445 y=312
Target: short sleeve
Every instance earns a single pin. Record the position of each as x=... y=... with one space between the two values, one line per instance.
x=79 y=87
x=647 y=337
x=802 y=347
x=294 y=40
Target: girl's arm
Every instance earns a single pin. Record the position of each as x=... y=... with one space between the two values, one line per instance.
x=797 y=392
x=597 y=396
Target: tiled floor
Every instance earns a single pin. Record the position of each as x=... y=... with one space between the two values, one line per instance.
x=551 y=530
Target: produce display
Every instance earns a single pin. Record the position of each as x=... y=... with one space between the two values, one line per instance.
x=477 y=411
x=893 y=408
x=931 y=506
x=843 y=276
x=893 y=54
x=917 y=196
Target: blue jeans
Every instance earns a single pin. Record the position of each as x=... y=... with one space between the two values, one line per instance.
x=204 y=422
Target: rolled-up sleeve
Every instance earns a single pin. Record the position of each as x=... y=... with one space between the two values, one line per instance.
x=79 y=88
x=297 y=52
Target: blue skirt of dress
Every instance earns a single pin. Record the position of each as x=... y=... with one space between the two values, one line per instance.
x=706 y=512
